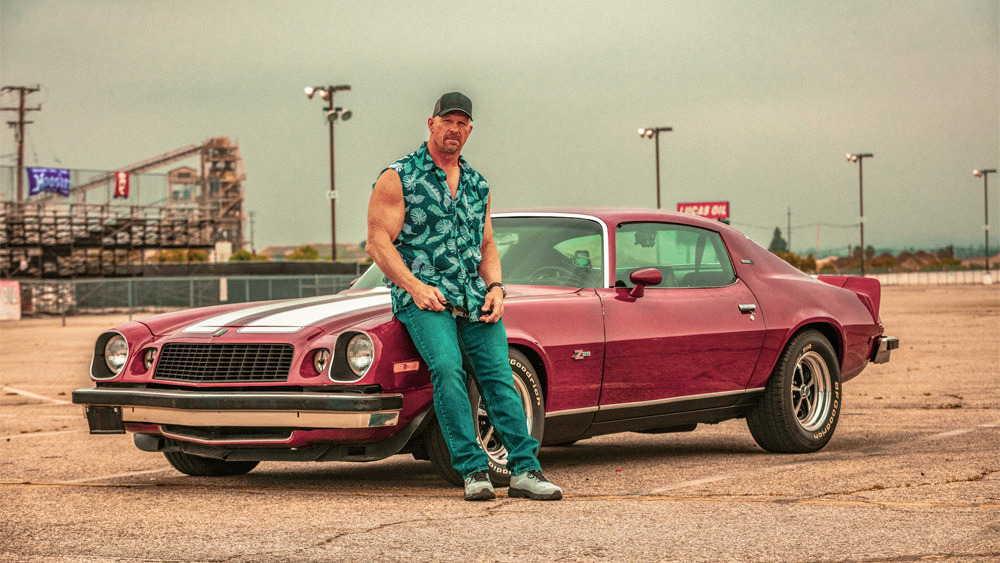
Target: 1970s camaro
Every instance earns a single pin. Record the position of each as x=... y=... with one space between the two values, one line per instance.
x=618 y=320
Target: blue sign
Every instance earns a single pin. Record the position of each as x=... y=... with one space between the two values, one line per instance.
x=55 y=180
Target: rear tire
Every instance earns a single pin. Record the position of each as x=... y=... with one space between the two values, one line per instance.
x=529 y=389
x=198 y=466
x=801 y=403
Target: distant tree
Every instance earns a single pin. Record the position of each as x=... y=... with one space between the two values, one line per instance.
x=884 y=261
x=805 y=264
x=778 y=243
x=244 y=255
x=181 y=255
x=304 y=252
x=167 y=256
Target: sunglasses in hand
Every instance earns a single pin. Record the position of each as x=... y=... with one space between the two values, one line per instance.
x=460 y=311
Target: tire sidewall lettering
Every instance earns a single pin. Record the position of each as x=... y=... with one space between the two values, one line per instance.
x=529 y=381
x=831 y=419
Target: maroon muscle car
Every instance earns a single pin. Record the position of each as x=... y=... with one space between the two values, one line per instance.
x=618 y=320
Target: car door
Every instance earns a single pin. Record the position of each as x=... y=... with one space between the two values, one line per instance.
x=697 y=333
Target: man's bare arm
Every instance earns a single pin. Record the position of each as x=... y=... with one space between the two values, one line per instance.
x=489 y=270
x=386 y=213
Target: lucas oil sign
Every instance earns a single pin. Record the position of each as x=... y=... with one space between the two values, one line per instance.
x=709 y=209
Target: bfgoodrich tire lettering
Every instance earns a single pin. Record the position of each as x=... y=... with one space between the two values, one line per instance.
x=799 y=409
x=529 y=389
x=198 y=466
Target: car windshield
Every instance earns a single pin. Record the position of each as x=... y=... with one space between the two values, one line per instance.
x=543 y=250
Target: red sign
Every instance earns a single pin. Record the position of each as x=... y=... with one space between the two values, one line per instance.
x=709 y=209
x=121 y=184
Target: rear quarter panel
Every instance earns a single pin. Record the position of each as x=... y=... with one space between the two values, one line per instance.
x=791 y=301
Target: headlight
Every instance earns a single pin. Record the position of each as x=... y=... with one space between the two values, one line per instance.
x=321 y=359
x=116 y=353
x=360 y=354
x=148 y=357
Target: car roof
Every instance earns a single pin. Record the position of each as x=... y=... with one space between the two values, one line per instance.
x=612 y=216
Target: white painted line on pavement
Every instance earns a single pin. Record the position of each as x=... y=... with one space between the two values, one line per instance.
x=948 y=434
x=714 y=478
x=706 y=480
x=692 y=483
x=36 y=434
x=34 y=396
x=119 y=475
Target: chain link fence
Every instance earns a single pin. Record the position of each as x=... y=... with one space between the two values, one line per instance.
x=162 y=294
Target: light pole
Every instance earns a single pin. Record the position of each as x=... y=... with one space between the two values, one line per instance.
x=654 y=133
x=859 y=158
x=332 y=114
x=985 y=175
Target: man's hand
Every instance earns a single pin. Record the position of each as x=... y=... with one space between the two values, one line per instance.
x=493 y=305
x=427 y=297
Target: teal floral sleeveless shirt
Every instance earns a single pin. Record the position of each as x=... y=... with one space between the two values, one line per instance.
x=442 y=238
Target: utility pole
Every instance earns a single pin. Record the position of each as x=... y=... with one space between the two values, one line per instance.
x=654 y=133
x=860 y=159
x=789 y=229
x=18 y=126
x=253 y=248
x=333 y=113
x=985 y=175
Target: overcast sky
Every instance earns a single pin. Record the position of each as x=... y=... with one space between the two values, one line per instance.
x=765 y=99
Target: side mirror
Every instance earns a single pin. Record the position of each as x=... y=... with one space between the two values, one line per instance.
x=642 y=278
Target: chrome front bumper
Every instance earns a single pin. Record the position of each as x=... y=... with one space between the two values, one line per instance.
x=108 y=409
x=886 y=344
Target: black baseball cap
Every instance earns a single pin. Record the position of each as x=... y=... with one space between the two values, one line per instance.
x=453 y=101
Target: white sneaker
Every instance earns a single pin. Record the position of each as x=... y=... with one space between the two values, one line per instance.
x=533 y=485
x=479 y=487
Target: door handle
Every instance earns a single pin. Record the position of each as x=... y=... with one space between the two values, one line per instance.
x=748 y=308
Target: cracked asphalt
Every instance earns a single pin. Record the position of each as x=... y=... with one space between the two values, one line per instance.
x=912 y=474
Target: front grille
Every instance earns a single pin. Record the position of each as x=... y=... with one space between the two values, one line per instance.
x=224 y=363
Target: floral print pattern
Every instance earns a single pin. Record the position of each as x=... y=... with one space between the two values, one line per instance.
x=441 y=240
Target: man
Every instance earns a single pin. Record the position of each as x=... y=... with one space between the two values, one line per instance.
x=430 y=233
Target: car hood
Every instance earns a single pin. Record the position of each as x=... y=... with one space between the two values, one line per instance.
x=294 y=315
x=291 y=316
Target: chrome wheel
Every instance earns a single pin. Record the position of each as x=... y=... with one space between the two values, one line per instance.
x=811 y=395
x=800 y=405
x=487 y=436
x=529 y=390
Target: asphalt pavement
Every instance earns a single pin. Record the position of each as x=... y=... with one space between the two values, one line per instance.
x=912 y=474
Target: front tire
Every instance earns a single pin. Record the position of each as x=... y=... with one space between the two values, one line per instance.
x=198 y=466
x=801 y=403
x=529 y=389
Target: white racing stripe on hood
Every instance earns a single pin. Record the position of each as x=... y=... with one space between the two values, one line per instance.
x=297 y=319
x=213 y=324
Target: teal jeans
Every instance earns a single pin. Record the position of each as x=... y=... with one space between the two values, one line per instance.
x=442 y=341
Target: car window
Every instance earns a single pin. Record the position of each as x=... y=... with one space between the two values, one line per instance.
x=685 y=256
x=554 y=251
x=371 y=278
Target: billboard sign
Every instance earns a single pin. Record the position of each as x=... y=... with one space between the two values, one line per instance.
x=10 y=301
x=55 y=180
x=709 y=209
x=121 y=184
